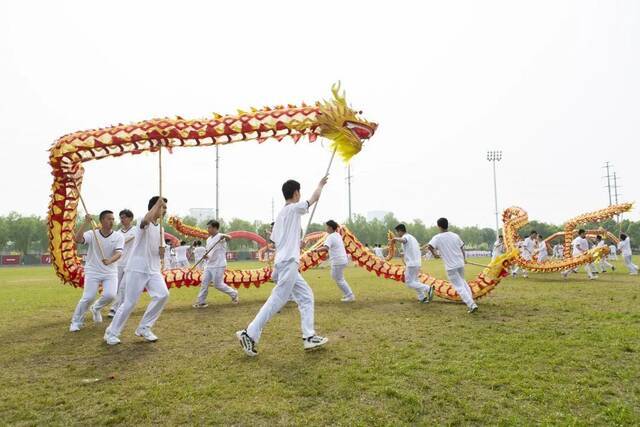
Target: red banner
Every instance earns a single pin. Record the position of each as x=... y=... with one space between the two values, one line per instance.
x=10 y=259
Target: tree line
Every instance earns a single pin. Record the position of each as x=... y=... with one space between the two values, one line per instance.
x=29 y=234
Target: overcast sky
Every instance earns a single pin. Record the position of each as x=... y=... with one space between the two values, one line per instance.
x=555 y=85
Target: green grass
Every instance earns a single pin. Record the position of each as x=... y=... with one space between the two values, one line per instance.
x=540 y=351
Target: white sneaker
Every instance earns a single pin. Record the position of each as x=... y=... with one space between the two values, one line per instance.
x=235 y=300
x=314 y=342
x=146 y=334
x=75 y=327
x=200 y=305
x=111 y=339
x=247 y=343
x=565 y=274
x=112 y=313
x=97 y=316
x=593 y=277
x=350 y=298
x=473 y=309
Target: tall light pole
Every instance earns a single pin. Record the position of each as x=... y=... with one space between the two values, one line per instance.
x=349 y=188
x=493 y=157
x=217 y=183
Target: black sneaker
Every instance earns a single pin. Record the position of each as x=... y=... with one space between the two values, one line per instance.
x=247 y=343
x=613 y=268
x=473 y=309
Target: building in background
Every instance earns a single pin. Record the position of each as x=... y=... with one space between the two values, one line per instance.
x=202 y=214
x=379 y=215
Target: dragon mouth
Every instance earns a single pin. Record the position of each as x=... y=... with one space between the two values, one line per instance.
x=360 y=130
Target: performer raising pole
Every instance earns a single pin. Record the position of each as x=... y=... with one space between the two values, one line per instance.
x=93 y=223
x=162 y=242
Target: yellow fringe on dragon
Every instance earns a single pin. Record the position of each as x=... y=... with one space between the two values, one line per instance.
x=514 y=218
x=332 y=119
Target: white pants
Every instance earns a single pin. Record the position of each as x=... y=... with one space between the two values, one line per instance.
x=628 y=262
x=182 y=263
x=135 y=283
x=411 y=281
x=337 y=274
x=91 y=285
x=542 y=257
x=589 y=268
x=215 y=275
x=604 y=264
x=288 y=282
x=456 y=277
x=120 y=295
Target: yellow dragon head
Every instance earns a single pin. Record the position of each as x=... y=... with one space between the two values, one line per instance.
x=343 y=126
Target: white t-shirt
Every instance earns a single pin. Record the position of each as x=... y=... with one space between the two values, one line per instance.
x=579 y=246
x=379 y=252
x=110 y=244
x=542 y=249
x=287 y=232
x=528 y=246
x=129 y=237
x=625 y=247
x=498 y=247
x=601 y=244
x=181 y=253
x=449 y=245
x=411 y=249
x=198 y=253
x=337 y=253
x=145 y=254
x=218 y=256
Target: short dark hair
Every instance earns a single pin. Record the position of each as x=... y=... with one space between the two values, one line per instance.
x=623 y=236
x=272 y=223
x=500 y=236
x=105 y=213
x=126 y=212
x=331 y=223
x=213 y=223
x=198 y=242
x=581 y=231
x=533 y=232
x=290 y=187
x=443 y=223
x=598 y=237
x=153 y=201
x=401 y=227
x=182 y=242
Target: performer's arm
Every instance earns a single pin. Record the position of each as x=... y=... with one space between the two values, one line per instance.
x=316 y=194
x=79 y=237
x=433 y=251
x=153 y=214
x=113 y=259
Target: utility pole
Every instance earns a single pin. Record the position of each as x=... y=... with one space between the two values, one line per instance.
x=493 y=157
x=607 y=166
x=349 y=188
x=217 y=183
x=615 y=193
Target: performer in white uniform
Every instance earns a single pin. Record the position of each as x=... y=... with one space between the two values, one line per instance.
x=143 y=272
x=541 y=249
x=287 y=235
x=198 y=253
x=412 y=263
x=558 y=250
x=625 y=250
x=498 y=247
x=338 y=257
x=128 y=233
x=181 y=255
x=377 y=250
x=603 y=264
x=105 y=248
x=451 y=249
x=216 y=264
x=580 y=246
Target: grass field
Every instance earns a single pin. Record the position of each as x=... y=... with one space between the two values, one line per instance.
x=539 y=351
